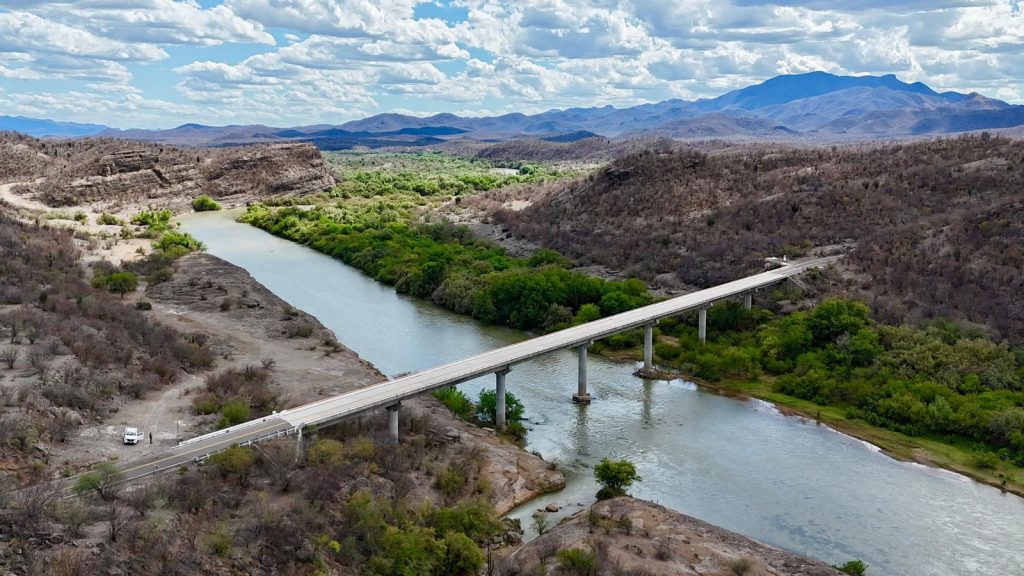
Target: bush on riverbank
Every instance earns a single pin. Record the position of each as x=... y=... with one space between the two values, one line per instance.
x=204 y=203
x=942 y=380
x=443 y=263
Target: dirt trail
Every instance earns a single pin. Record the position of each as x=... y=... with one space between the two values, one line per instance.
x=18 y=201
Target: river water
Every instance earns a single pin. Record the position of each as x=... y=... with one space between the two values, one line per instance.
x=739 y=464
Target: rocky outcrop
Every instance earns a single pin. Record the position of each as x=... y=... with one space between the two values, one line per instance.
x=112 y=173
x=267 y=171
x=640 y=537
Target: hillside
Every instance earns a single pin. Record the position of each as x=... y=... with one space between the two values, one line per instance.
x=936 y=226
x=101 y=170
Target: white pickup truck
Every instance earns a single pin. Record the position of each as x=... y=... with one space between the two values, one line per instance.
x=132 y=436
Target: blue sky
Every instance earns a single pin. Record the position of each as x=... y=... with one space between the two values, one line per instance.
x=160 y=63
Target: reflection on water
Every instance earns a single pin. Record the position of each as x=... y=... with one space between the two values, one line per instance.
x=738 y=464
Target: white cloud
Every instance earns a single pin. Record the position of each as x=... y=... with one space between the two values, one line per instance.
x=152 y=21
x=28 y=33
x=344 y=58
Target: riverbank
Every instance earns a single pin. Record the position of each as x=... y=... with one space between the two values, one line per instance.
x=920 y=450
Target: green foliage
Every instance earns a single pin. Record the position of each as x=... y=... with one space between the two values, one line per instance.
x=614 y=477
x=487 y=407
x=122 y=283
x=179 y=243
x=456 y=401
x=233 y=413
x=444 y=263
x=943 y=380
x=204 y=203
x=81 y=217
x=104 y=480
x=462 y=557
x=158 y=219
x=109 y=220
x=326 y=452
x=577 y=561
x=854 y=568
x=236 y=460
x=409 y=551
x=430 y=174
x=474 y=518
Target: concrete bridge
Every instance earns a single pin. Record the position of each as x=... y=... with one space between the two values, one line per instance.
x=389 y=395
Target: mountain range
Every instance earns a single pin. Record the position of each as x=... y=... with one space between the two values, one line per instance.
x=815 y=104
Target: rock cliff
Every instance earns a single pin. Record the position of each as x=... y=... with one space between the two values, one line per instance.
x=116 y=172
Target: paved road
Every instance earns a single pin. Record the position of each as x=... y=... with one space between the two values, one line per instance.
x=393 y=391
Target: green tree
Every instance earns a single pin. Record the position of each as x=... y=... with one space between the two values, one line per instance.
x=614 y=477
x=487 y=407
x=105 y=480
x=122 y=282
x=462 y=557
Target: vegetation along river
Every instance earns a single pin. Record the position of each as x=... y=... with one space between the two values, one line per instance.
x=739 y=464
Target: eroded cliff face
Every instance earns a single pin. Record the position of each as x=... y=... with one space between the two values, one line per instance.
x=113 y=172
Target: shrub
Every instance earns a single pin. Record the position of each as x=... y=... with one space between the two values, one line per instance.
x=854 y=568
x=740 y=566
x=451 y=481
x=233 y=413
x=456 y=401
x=237 y=460
x=81 y=217
x=109 y=220
x=614 y=477
x=153 y=218
x=299 y=329
x=577 y=561
x=143 y=305
x=985 y=460
x=178 y=243
x=204 y=203
x=462 y=557
x=122 y=283
x=326 y=451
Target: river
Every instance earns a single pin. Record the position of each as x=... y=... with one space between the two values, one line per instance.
x=739 y=464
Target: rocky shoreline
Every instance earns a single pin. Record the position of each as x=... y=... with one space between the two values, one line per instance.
x=640 y=537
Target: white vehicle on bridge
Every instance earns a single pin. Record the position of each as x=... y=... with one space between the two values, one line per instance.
x=131 y=436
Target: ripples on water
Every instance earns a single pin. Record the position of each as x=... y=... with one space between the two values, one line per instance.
x=738 y=464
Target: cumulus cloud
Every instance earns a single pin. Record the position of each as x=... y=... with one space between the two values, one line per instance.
x=341 y=59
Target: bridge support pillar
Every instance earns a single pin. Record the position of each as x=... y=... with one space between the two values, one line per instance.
x=748 y=300
x=702 y=325
x=581 y=396
x=499 y=388
x=393 y=420
x=648 y=346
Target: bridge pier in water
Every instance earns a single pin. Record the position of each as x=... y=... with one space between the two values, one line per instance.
x=581 y=396
x=702 y=325
x=393 y=420
x=499 y=404
x=648 y=346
